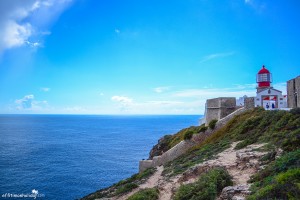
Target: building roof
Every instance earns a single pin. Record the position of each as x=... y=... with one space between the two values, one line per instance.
x=270 y=88
x=263 y=70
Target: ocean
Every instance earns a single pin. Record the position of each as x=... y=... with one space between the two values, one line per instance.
x=70 y=156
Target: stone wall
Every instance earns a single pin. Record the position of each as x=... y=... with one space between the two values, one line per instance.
x=185 y=145
x=168 y=156
x=249 y=102
x=293 y=92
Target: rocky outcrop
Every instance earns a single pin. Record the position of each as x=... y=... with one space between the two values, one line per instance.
x=237 y=192
x=161 y=147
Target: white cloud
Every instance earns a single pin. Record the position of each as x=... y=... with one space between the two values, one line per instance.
x=20 y=21
x=216 y=55
x=122 y=99
x=161 y=89
x=29 y=103
x=45 y=89
x=117 y=31
x=216 y=92
x=256 y=5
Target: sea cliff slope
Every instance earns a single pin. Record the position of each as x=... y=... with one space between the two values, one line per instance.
x=255 y=155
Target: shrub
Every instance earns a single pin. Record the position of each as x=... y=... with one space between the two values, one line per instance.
x=126 y=188
x=288 y=161
x=202 y=129
x=295 y=111
x=208 y=186
x=212 y=123
x=282 y=186
x=188 y=135
x=145 y=194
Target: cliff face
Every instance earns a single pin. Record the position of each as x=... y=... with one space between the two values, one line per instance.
x=255 y=155
x=162 y=146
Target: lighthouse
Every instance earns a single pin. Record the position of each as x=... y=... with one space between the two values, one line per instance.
x=263 y=79
x=266 y=95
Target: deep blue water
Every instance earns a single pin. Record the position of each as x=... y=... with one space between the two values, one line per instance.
x=70 y=156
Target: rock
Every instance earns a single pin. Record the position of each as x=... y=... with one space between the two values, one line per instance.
x=161 y=147
x=237 y=192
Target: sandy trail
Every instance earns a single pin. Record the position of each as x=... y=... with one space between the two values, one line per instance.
x=240 y=164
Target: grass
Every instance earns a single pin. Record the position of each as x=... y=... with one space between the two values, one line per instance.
x=207 y=187
x=281 y=129
x=145 y=194
x=123 y=186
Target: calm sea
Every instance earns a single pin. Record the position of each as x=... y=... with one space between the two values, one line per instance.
x=70 y=156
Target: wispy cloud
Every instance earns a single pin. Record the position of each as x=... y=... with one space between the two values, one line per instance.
x=161 y=89
x=117 y=31
x=207 y=93
x=122 y=99
x=256 y=5
x=28 y=102
x=45 y=89
x=20 y=21
x=216 y=55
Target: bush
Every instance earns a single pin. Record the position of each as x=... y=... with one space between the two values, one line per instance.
x=145 y=194
x=202 y=129
x=208 y=186
x=188 y=135
x=288 y=161
x=212 y=123
x=282 y=186
x=126 y=188
x=295 y=111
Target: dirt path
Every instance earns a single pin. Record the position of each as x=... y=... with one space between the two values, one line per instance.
x=240 y=164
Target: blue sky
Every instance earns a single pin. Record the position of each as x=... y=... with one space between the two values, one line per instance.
x=141 y=56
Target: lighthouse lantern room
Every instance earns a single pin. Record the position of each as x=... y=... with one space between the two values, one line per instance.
x=267 y=96
x=263 y=78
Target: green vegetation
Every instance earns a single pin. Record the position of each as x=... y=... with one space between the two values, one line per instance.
x=188 y=135
x=126 y=188
x=178 y=137
x=122 y=187
x=279 y=180
x=169 y=141
x=281 y=129
x=207 y=187
x=212 y=123
x=145 y=194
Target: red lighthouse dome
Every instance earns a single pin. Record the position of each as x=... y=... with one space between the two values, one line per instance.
x=264 y=78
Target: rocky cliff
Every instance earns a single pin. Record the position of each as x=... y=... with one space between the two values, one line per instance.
x=255 y=155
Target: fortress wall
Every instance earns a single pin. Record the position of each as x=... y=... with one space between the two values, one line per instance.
x=218 y=108
x=249 y=102
x=293 y=92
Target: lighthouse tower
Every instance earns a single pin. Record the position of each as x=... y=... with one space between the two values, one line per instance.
x=266 y=96
x=264 y=79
